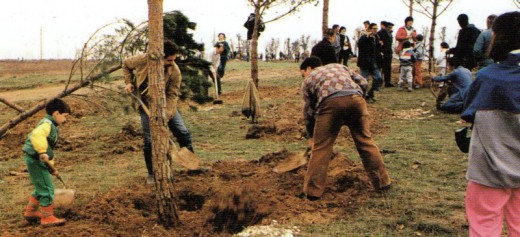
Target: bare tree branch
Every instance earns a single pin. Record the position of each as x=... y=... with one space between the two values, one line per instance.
x=12 y=105
x=292 y=9
x=445 y=8
x=424 y=10
x=28 y=113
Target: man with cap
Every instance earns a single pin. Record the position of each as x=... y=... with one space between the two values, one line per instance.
x=385 y=35
x=405 y=33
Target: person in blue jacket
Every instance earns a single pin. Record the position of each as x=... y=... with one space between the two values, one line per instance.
x=460 y=80
x=493 y=106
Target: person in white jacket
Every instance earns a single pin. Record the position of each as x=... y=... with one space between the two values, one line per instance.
x=441 y=59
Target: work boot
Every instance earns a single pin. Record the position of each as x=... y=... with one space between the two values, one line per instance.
x=32 y=214
x=48 y=218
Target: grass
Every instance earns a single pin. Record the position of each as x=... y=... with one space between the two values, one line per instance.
x=427 y=198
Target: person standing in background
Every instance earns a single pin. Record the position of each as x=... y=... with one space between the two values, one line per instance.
x=405 y=33
x=324 y=49
x=223 y=59
x=346 y=49
x=468 y=35
x=419 y=57
x=482 y=44
x=385 y=35
x=367 y=61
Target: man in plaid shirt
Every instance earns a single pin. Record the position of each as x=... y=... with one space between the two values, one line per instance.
x=333 y=97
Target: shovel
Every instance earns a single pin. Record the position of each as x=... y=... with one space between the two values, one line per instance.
x=217 y=100
x=184 y=157
x=63 y=198
x=292 y=162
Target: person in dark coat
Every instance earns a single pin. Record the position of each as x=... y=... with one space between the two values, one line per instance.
x=324 y=49
x=250 y=24
x=385 y=35
x=367 y=60
x=468 y=35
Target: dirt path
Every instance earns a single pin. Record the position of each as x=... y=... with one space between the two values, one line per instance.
x=39 y=93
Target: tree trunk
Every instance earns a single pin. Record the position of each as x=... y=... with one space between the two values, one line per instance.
x=410 y=9
x=167 y=210
x=431 y=50
x=325 y=18
x=254 y=47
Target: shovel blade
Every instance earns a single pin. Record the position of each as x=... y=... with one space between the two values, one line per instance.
x=186 y=159
x=291 y=163
x=64 y=198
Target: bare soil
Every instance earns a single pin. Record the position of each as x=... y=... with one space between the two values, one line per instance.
x=223 y=200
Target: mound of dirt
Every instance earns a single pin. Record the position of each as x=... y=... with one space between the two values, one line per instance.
x=220 y=202
x=282 y=129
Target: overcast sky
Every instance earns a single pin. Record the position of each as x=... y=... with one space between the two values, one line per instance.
x=67 y=24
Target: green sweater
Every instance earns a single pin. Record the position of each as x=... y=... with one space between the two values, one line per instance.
x=43 y=138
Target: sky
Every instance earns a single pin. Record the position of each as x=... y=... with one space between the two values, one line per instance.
x=63 y=26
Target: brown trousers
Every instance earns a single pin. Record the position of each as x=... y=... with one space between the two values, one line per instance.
x=417 y=73
x=332 y=114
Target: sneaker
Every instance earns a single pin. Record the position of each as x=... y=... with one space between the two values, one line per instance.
x=410 y=89
x=389 y=85
x=371 y=100
x=417 y=86
x=150 y=180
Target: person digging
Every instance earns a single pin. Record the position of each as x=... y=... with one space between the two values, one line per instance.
x=135 y=70
x=39 y=158
x=333 y=97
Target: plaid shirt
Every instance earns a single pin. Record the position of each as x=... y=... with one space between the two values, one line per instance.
x=325 y=81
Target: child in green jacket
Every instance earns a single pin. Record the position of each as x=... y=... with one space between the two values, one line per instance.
x=39 y=157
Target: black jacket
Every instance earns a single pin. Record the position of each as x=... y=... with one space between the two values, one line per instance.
x=325 y=52
x=368 y=51
x=387 y=39
x=464 y=49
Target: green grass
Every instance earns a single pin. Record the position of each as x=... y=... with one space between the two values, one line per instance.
x=427 y=198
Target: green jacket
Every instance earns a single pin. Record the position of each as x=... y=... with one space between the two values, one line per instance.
x=43 y=138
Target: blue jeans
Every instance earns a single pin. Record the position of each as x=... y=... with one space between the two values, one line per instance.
x=377 y=80
x=452 y=106
x=220 y=72
x=176 y=126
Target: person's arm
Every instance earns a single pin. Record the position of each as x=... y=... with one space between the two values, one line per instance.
x=39 y=138
x=470 y=102
x=173 y=91
x=401 y=35
x=128 y=72
x=308 y=109
x=451 y=76
x=478 y=48
x=358 y=79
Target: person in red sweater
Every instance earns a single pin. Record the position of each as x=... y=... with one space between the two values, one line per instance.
x=405 y=33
